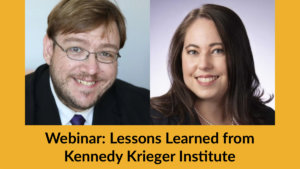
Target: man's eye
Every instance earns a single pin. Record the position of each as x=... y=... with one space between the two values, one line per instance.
x=192 y=52
x=218 y=51
x=75 y=50
x=105 y=54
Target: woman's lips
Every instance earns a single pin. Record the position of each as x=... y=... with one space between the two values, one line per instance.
x=206 y=80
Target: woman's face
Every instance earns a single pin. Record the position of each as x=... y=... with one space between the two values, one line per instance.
x=204 y=61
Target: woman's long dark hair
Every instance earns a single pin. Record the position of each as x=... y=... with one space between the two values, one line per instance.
x=243 y=85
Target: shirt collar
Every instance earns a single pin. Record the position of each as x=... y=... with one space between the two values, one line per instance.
x=66 y=114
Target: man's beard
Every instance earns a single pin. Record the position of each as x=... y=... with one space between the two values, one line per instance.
x=66 y=97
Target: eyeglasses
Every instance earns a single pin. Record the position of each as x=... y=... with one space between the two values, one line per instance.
x=80 y=54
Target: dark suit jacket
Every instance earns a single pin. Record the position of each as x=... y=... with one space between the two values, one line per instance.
x=123 y=103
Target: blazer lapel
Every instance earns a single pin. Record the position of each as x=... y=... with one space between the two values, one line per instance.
x=105 y=111
x=47 y=111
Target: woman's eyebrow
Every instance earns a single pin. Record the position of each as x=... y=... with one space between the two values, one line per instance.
x=210 y=45
x=216 y=43
x=192 y=45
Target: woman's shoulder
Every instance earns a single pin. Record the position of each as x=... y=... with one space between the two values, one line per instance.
x=158 y=118
x=263 y=115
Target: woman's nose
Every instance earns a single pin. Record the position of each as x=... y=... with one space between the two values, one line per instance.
x=205 y=62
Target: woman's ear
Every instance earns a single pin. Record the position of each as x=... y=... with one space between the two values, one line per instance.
x=47 y=49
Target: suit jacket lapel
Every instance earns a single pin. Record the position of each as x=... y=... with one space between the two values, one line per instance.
x=47 y=111
x=105 y=111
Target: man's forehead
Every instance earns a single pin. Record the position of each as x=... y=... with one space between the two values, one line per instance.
x=101 y=34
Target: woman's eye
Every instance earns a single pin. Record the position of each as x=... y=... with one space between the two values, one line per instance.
x=75 y=49
x=218 y=51
x=192 y=52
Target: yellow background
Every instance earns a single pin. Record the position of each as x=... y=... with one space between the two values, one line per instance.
x=26 y=147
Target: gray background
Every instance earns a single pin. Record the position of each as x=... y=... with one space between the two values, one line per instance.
x=134 y=63
x=258 y=17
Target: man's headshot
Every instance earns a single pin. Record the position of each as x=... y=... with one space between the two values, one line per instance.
x=78 y=84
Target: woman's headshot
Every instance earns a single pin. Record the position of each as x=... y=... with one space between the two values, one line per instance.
x=212 y=74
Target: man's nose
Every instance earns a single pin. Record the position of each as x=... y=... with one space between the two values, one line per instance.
x=91 y=65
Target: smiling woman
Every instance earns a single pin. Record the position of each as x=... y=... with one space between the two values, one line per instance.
x=213 y=79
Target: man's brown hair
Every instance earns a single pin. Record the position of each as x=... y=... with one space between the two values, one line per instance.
x=75 y=16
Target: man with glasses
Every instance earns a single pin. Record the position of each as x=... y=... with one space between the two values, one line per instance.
x=78 y=85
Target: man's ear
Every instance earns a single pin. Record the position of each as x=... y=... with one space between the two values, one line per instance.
x=48 y=49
